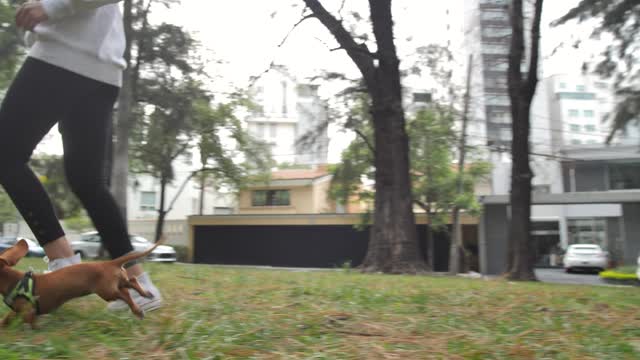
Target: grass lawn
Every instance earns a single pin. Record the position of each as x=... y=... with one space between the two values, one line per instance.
x=224 y=313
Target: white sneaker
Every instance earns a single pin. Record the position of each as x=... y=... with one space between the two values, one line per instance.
x=58 y=264
x=145 y=304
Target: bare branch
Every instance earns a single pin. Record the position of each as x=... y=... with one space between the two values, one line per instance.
x=284 y=40
x=360 y=54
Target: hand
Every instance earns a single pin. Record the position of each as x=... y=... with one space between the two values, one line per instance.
x=30 y=14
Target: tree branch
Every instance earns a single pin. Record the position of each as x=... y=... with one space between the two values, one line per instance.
x=359 y=53
x=284 y=40
x=366 y=140
x=177 y=195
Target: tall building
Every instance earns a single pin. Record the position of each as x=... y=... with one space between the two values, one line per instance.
x=290 y=117
x=579 y=106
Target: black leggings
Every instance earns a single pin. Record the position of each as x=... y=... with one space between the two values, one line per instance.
x=41 y=96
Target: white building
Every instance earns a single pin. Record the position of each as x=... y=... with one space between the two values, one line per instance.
x=144 y=195
x=289 y=111
x=579 y=106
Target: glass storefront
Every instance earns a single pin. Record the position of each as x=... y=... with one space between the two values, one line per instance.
x=588 y=231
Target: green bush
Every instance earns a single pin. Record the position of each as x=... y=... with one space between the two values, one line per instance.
x=182 y=253
x=616 y=275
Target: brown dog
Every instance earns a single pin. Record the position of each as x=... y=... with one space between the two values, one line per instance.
x=43 y=293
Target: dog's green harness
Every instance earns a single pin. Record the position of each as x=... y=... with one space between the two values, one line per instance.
x=24 y=289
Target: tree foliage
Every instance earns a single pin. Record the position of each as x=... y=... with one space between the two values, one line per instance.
x=620 y=59
x=50 y=170
x=10 y=44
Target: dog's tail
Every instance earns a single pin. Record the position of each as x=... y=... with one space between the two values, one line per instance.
x=137 y=255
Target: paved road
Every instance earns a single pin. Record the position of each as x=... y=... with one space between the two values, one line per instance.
x=558 y=276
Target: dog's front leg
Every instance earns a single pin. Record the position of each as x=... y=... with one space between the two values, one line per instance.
x=30 y=318
x=8 y=318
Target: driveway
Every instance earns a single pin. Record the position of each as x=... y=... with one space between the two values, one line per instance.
x=558 y=276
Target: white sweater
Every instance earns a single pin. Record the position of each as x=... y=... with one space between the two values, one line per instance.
x=82 y=36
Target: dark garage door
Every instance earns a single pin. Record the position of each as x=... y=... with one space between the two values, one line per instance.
x=293 y=245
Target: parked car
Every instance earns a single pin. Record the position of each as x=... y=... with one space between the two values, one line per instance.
x=89 y=246
x=585 y=256
x=35 y=250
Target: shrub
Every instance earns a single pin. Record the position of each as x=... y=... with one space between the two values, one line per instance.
x=616 y=275
x=182 y=253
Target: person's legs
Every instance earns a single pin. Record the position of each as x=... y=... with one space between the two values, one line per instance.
x=33 y=104
x=86 y=135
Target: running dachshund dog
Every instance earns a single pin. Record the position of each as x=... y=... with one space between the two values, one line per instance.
x=30 y=295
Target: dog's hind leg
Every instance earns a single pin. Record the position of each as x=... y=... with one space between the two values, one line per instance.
x=126 y=297
x=135 y=284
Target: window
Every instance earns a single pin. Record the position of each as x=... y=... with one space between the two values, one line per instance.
x=624 y=176
x=421 y=97
x=261 y=130
x=592 y=141
x=574 y=127
x=588 y=113
x=284 y=99
x=270 y=198
x=590 y=128
x=541 y=189
x=563 y=85
x=147 y=200
x=577 y=96
x=601 y=85
x=573 y=113
x=273 y=130
x=576 y=142
x=580 y=88
x=588 y=231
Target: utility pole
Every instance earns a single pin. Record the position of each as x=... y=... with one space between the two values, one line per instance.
x=457 y=245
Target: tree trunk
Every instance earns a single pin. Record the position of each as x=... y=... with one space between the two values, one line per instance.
x=457 y=244
x=430 y=245
x=202 y=192
x=120 y=166
x=161 y=212
x=393 y=245
x=521 y=92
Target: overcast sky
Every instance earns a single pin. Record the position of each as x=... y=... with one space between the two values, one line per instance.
x=245 y=34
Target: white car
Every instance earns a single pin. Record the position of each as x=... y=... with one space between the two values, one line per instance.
x=585 y=256
x=90 y=247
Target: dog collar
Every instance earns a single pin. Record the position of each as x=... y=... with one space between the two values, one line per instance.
x=24 y=289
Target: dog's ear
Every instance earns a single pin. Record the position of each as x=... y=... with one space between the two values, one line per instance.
x=12 y=255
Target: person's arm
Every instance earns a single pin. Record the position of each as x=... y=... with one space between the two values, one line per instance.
x=33 y=13
x=57 y=9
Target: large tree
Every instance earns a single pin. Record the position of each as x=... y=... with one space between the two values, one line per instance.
x=393 y=244
x=434 y=177
x=229 y=157
x=620 y=59
x=522 y=88
x=147 y=45
x=163 y=132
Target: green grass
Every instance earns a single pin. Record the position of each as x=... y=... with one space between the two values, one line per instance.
x=225 y=313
